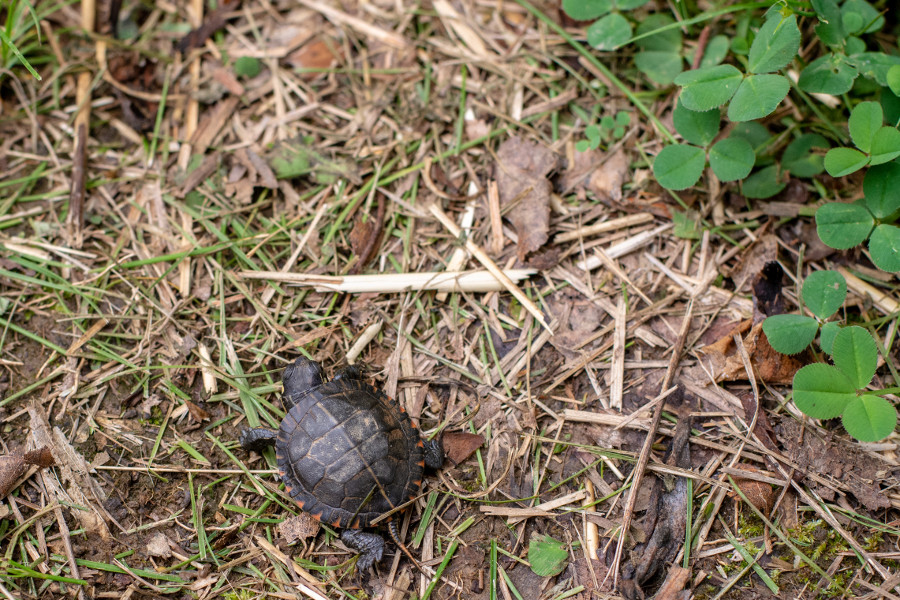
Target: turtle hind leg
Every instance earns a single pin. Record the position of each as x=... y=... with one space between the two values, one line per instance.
x=369 y=545
x=257 y=439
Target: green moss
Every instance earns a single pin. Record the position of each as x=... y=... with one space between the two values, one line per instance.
x=873 y=542
x=750 y=526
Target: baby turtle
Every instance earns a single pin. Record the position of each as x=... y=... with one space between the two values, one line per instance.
x=346 y=452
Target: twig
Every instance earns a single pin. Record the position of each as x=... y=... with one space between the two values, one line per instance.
x=75 y=218
x=387 y=283
x=617 y=370
x=604 y=227
x=489 y=264
x=359 y=345
x=341 y=18
x=641 y=465
x=622 y=248
x=192 y=112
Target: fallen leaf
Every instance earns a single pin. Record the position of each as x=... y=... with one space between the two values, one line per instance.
x=837 y=459
x=13 y=466
x=547 y=556
x=301 y=527
x=521 y=170
x=460 y=446
x=598 y=172
x=752 y=261
x=768 y=365
x=760 y=494
x=197 y=414
x=365 y=235
x=158 y=545
x=317 y=55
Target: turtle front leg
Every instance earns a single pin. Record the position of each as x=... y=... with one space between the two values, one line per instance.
x=257 y=439
x=369 y=545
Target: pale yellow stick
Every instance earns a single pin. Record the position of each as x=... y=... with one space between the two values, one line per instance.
x=605 y=226
x=386 y=283
x=881 y=299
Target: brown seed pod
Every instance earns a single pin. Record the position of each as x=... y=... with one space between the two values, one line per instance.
x=12 y=466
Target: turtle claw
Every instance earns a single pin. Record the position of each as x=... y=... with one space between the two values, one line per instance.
x=369 y=545
x=257 y=439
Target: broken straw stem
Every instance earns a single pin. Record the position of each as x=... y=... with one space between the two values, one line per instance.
x=489 y=264
x=446 y=281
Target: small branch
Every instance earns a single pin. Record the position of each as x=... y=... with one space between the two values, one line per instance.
x=387 y=283
x=489 y=264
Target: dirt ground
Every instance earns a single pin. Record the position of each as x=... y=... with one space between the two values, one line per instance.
x=241 y=166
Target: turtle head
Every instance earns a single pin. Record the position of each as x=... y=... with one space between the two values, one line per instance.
x=434 y=453
x=300 y=377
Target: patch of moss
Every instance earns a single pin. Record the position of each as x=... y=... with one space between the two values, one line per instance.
x=749 y=526
x=873 y=542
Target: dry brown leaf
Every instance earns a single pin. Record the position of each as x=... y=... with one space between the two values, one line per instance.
x=317 y=54
x=301 y=527
x=460 y=446
x=838 y=459
x=13 y=466
x=760 y=494
x=80 y=486
x=197 y=413
x=607 y=181
x=521 y=172
x=768 y=365
x=597 y=172
x=158 y=545
x=752 y=261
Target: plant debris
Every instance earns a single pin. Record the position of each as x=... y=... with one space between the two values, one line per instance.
x=521 y=171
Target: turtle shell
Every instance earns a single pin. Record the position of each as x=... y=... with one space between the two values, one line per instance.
x=348 y=453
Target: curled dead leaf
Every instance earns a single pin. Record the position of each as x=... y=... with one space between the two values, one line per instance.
x=460 y=446
x=760 y=494
x=768 y=365
x=522 y=169
x=301 y=527
x=197 y=413
x=314 y=57
x=13 y=466
x=41 y=457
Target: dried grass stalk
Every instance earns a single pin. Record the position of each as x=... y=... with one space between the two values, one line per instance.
x=388 y=283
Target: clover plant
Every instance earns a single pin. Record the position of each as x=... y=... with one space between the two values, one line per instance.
x=828 y=391
x=843 y=117
x=609 y=128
